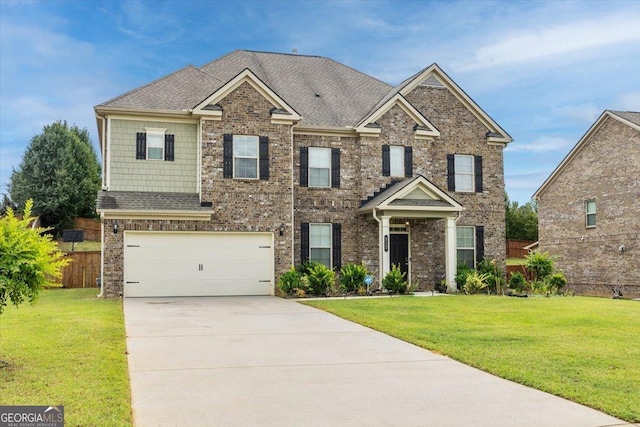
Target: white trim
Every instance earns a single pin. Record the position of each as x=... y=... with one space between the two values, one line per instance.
x=199 y=162
x=247 y=76
x=171 y=214
x=325 y=131
x=108 y=153
x=475 y=109
x=578 y=147
x=151 y=118
x=451 y=254
x=409 y=109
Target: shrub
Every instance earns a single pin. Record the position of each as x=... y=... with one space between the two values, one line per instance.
x=540 y=264
x=293 y=283
x=321 y=278
x=556 y=282
x=352 y=276
x=475 y=282
x=495 y=276
x=517 y=282
x=462 y=271
x=394 y=280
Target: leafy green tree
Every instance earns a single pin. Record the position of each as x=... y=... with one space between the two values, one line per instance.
x=60 y=172
x=29 y=258
x=521 y=222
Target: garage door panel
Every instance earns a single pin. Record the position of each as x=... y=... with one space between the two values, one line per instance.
x=198 y=264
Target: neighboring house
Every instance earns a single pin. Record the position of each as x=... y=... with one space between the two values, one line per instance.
x=217 y=179
x=589 y=208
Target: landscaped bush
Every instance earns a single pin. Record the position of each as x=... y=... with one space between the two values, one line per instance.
x=475 y=282
x=556 y=282
x=462 y=271
x=394 y=281
x=352 y=277
x=321 y=278
x=517 y=282
x=293 y=283
x=540 y=264
x=495 y=276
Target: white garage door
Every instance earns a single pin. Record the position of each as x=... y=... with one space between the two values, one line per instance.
x=160 y=264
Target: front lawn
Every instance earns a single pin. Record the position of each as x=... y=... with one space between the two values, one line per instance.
x=67 y=349
x=584 y=349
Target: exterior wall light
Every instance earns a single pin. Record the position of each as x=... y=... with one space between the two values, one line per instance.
x=281 y=229
x=115 y=227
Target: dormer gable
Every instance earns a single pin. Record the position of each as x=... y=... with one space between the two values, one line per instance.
x=423 y=129
x=281 y=113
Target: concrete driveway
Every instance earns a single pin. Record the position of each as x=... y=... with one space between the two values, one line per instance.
x=265 y=361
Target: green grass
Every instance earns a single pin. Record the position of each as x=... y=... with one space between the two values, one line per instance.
x=86 y=246
x=584 y=349
x=516 y=261
x=67 y=349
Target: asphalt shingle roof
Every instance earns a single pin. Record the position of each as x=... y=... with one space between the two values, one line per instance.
x=143 y=201
x=632 y=116
x=323 y=91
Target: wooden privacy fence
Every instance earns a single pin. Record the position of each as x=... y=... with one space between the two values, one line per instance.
x=82 y=271
x=90 y=227
x=515 y=248
x=520 y=268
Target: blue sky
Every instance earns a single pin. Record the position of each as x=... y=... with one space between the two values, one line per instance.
x=543 y=70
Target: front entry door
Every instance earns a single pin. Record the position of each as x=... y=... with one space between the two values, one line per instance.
x=399 y=252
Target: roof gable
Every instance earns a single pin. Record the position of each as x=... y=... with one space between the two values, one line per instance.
x=434 y=76
x=631 y=119
x=413 y=194
x=282 y=111
x=423 y=128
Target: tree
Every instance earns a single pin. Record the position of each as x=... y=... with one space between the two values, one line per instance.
x=60 y=172
x=521 y=222
x=28 y=258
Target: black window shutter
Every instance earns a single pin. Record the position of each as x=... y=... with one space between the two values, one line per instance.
x=479 y=243
x=386 y=160
x=408 y=162
x=337 y=245
x=478 y=173
x=451 y=172
x=141 y=146
x=264 y=158
x=227 y=156
x=304 y=167
x=169 y=148
x=304 y=242
x=335 y=168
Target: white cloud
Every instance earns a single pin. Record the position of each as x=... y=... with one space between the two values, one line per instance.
x=587 y=112
x=543 y=43
x=627 y=102
x=541 y=144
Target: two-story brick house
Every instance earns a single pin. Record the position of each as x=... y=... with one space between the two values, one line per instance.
x=218 y=179
x=589 y=208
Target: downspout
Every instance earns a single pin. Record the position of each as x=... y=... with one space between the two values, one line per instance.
x=379 y=247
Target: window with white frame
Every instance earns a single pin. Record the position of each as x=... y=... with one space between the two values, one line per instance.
x=464 y=173
x=320 y=243
x=590 y=209
x=155 y=144
x=319 y=167
x=465 y=245
x=245 y=156
x=396 y=160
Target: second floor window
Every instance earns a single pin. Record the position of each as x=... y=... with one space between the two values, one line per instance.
x=245 y=156
x=396 y=157
x=590 y=208
x=397 y=160
x=464 y=173
x=155 y=144
x=319 y=167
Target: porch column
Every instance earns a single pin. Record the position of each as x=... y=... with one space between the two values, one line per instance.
x=450 y=256
x=385 y=265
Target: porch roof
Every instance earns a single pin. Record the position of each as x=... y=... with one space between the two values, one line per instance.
x=416 y=197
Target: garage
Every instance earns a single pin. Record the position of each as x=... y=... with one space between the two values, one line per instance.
x=162 y=264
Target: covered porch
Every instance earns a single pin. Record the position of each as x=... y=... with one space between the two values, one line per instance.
x=396 y=207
